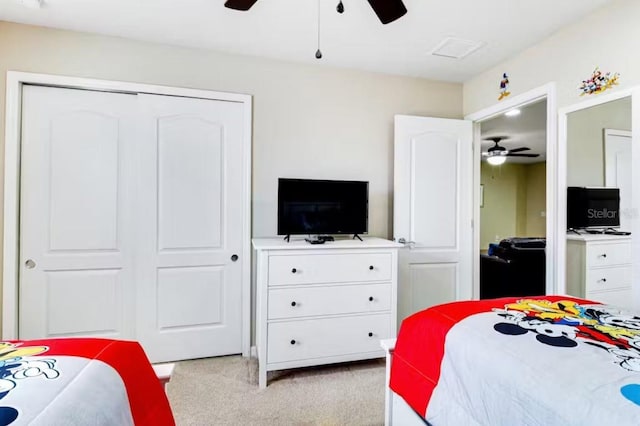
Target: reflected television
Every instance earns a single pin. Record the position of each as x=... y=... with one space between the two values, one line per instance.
x=593 y=207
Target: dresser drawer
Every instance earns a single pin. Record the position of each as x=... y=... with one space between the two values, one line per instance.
x=329 y=268
x=608 y=278
x=318 y=338
x=622 y=298
x=608 y=254
x=328 y=300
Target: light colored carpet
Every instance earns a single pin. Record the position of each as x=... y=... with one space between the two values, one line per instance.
x=224 y=391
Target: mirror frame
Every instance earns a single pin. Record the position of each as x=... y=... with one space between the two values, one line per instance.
x=561 y=217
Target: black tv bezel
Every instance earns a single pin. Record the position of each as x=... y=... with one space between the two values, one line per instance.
x=328 y=232
x=586 y=190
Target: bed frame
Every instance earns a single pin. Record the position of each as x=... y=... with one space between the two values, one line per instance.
x=164 y=373
x=396 y=411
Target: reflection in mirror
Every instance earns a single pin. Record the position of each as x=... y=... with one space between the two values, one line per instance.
x=599 y=264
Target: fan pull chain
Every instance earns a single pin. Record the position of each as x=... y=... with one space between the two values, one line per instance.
x=318 y=52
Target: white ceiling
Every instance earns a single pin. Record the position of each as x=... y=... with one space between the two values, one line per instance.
x=286 y=29
x=527 y=129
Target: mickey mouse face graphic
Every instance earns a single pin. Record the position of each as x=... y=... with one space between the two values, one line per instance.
x=547 y=332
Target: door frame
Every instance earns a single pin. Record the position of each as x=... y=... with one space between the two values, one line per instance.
x=556 y=166
x=15 y=81
x=561 y=218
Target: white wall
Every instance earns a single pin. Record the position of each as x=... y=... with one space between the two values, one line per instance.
x=309 y=121
x=607 y=38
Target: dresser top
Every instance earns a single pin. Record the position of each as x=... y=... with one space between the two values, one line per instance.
x=298 y=243
x=597 y=237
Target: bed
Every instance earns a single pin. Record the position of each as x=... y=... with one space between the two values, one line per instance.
x=79 y=382
x=550 y=360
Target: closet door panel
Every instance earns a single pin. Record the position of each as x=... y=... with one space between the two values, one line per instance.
x=189 y=303
x=76 y=227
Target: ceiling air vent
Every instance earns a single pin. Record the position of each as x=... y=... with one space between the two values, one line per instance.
x=456 y=48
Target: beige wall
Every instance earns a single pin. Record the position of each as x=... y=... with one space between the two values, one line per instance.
x=607 y=38
x=514 y=198
x=536 y=190
x=309 y=121
x=585 y=140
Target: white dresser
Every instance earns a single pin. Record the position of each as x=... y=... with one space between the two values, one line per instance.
x=599 y=268
x=320 y=304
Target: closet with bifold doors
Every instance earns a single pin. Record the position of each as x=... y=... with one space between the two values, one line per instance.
x=129 y=220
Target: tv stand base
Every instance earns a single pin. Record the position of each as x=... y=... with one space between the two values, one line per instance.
x=356 y=236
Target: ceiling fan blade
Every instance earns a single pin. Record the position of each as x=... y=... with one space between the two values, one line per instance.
x=523 y=155
x=496 y=139
x=524 y=148
x=388 y=10
x=239 y=4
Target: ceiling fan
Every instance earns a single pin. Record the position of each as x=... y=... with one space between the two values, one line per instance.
x=387 y=10
x=497 y=154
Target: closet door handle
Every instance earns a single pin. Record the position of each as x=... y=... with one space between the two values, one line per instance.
x=30 y=264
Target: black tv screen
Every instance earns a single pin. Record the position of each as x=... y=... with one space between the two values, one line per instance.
x=308 y=206
x=593 y=207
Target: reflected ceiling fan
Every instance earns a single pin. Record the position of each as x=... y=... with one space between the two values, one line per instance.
x=387 y=10
x=497 y=154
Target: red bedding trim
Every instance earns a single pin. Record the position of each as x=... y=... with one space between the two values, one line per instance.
x=419 y=350
x=147 y=399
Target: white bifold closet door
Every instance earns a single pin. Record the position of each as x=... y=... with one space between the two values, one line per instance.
x=129 y=220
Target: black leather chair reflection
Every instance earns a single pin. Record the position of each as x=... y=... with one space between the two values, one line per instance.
x=516 y=268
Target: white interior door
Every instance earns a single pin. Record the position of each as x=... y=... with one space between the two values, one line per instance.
x=433 y=211
x=189 y=293
x=617 y=157
x=76 y=230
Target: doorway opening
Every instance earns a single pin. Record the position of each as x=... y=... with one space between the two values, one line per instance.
x=513 y=203
x=546 y=94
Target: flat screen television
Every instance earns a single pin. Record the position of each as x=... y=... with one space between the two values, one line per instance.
x=589 y=207
x=315 y=207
